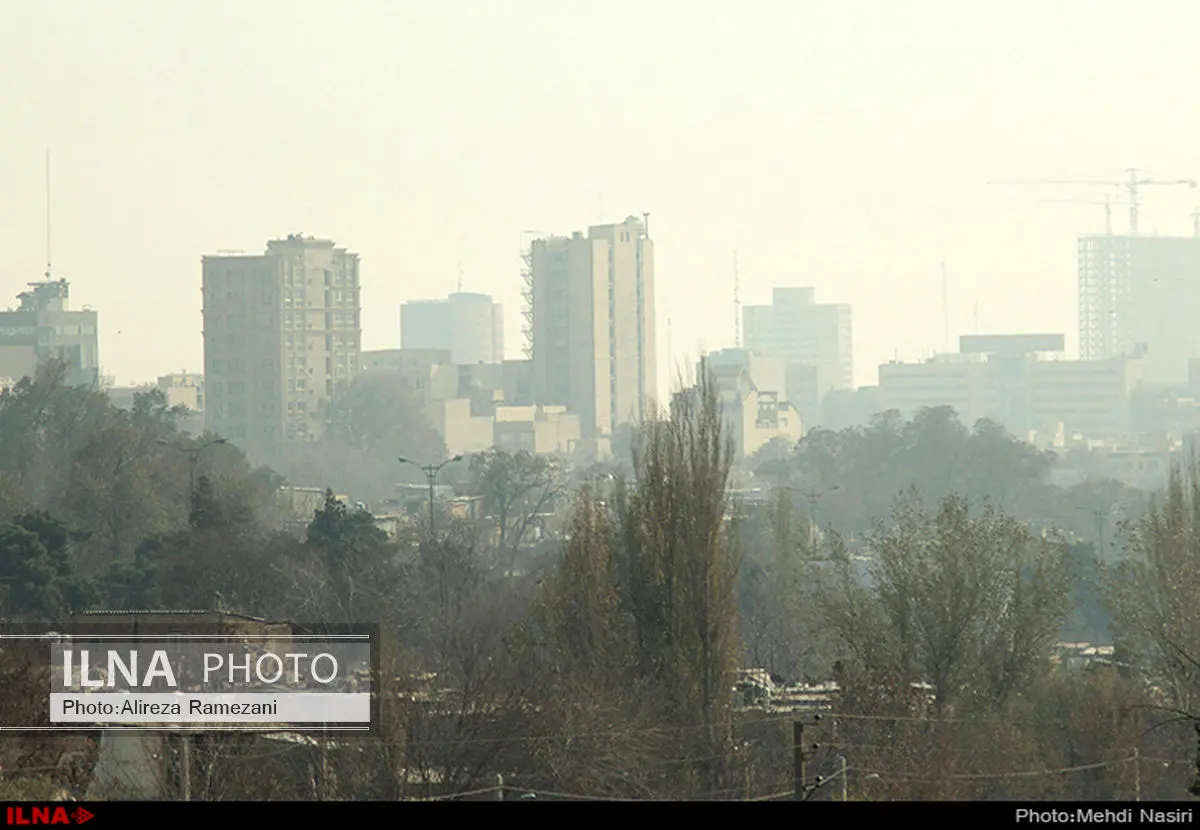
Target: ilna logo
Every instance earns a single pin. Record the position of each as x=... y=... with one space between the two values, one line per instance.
x=57 y=814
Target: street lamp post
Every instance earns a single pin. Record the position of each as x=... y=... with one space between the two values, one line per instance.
x=193 y=455
x=814 y=496
x=1100 y=516
x=431 y=473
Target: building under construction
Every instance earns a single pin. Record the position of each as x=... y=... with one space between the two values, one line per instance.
x=1140 y=294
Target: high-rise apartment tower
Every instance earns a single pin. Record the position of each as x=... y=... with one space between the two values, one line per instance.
x=592 y=322
x=282 y=336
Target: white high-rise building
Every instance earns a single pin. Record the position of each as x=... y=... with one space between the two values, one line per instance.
x=592 y=324
x=470 y=326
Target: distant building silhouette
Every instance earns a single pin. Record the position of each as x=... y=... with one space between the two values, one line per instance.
x=816 y=340
x=469 y=326
x=1016 y=381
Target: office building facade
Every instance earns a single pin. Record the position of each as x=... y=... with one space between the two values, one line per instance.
x=1021 y=383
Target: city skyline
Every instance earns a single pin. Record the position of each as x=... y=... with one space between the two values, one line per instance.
x=851 y=170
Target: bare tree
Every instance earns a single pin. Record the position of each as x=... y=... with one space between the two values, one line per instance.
x=1155 y=593
x=678 y=565
x=969 y=604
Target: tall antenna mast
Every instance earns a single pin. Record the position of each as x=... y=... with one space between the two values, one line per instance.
x=47 y=213
x=737 y=305
x=460 y=273
x=945 y=307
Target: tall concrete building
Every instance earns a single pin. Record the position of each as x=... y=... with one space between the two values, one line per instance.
x=816 y=340
x=1140 y=293
x=42 y=327
x=591 y=322
x=282 y=336
x=470 y=326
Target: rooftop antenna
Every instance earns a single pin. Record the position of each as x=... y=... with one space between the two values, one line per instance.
x=460 y=275
x=737 y=305
x=945 y=308
x=1196 y=221
x=47 y=213
x=646 y=224
x=977 y=317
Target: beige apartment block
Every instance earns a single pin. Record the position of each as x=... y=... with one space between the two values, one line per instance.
x=592 y=324
x=282 y=336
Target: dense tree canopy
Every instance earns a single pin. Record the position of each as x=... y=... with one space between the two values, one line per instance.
x=934 y=592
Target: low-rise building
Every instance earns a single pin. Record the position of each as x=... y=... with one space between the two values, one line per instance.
x=541 y=430
x=475 y=406
x=752 y=416
x=43 y=328
x=752 y=388
x=462 y=430
x=1008 y=379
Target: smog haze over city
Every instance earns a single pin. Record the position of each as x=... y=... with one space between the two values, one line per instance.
x=846 y=146
x=660 y=401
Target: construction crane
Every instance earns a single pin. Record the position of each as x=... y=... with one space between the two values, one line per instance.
x=1107 y=204
x=1132 y=186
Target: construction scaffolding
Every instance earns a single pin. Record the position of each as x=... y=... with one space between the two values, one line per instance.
x=527 y=292
x=1105 y=285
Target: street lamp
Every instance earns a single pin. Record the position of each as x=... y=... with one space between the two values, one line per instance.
x=1100 y=517
x=193 y=455
x=814 y=496
x=431 y=473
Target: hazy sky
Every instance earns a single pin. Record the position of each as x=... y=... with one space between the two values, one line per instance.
x=844 y=145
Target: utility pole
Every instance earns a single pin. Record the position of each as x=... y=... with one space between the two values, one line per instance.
x=499 y=787
x=185 y=757
x=800 y=756
x=842 y=772
x=431 y=473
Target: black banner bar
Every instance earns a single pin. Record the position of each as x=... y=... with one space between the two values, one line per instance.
x=113 y=814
